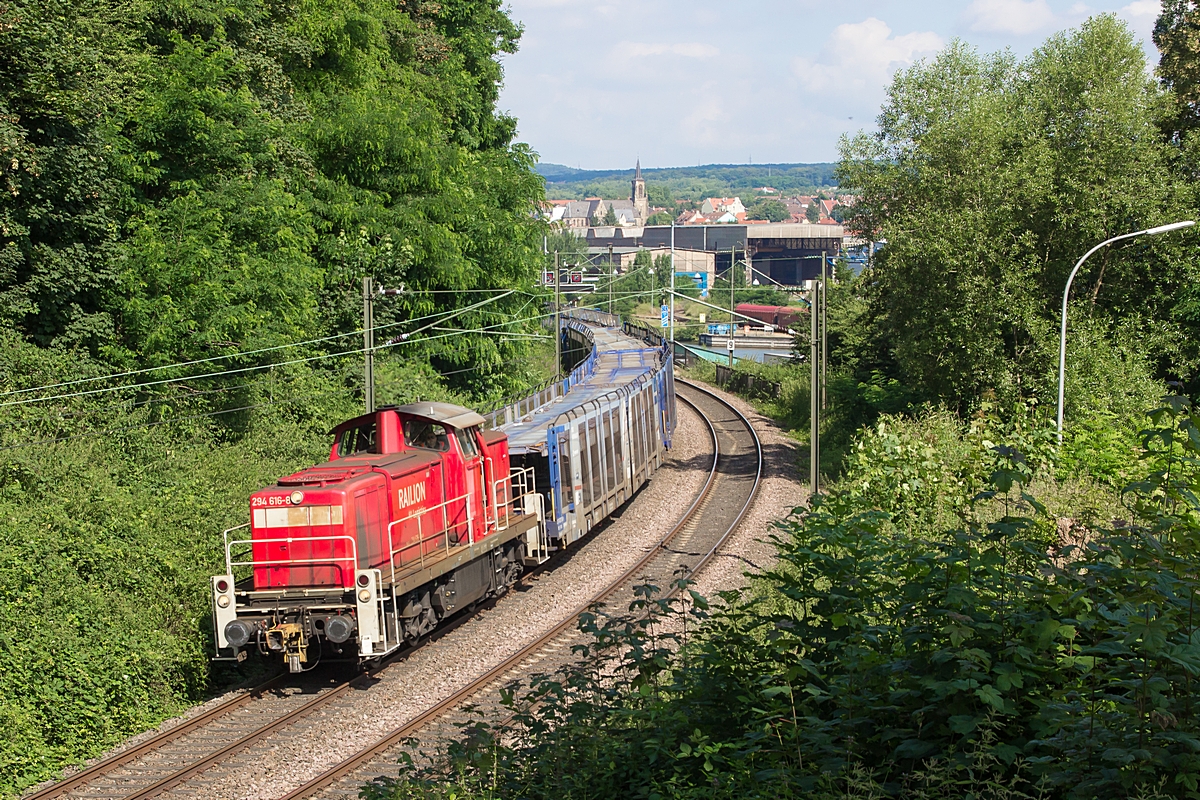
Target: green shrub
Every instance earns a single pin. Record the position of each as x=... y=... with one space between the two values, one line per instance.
x=983 y=659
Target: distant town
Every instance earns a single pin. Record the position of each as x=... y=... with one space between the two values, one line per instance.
x=779 y=239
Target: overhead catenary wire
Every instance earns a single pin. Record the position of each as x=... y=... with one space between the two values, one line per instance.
x=135 y=426
x=241 y=370
x=172 y=420
x=260 y=351
x=222 y=412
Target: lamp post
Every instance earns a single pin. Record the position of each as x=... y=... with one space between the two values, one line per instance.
x=729 y=344
x=557 y=319
x=1062 y=342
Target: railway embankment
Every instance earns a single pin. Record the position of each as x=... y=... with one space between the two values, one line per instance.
x=341 y=719
x=930 y=603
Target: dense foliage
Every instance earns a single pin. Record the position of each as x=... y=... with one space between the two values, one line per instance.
x=931 y=630
x=989 y=178
x=209 y=182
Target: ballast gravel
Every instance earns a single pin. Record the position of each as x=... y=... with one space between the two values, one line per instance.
x=783 y=488
x=440 y=667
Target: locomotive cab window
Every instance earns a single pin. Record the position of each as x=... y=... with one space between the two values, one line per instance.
x=426 y=435
x=358 y=440
x=466 y=440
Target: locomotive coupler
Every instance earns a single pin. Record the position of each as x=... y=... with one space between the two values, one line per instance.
x=288 y=638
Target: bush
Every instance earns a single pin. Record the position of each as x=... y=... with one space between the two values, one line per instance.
x=985 y=659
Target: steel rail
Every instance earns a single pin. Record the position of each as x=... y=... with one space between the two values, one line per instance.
x=137 y=751
x=108 y=765
x=175 y=778
x=349 y=765
x=179 y=776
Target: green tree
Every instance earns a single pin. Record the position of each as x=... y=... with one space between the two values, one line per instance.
x=769 y=209
x=1177 y=36
x=571 y=249
x=610 y=216
x=813 y=212
x=67 y=72
x=659 y=218
x=660 y=194
x=989 y=178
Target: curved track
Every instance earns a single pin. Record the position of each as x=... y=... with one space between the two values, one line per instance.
x=211 y=739
x=707 y=524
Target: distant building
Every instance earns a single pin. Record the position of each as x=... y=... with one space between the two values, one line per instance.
x=773 y=253
x=583 y=214
x=719 y=205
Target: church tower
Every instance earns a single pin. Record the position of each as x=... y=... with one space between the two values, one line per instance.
x=641 y=203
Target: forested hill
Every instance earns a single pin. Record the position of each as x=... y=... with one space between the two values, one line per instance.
x=688 y=183
x=208 y=182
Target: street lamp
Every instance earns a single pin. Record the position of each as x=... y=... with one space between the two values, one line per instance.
x=1062 y=343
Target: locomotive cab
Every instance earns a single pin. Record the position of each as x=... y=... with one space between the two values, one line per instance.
x=414 y=515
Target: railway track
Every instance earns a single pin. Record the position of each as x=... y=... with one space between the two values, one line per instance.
x=169 y=763
x=712 y=518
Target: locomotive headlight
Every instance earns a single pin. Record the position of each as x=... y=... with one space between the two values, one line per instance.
x=364 y=596
x=222 y=586
x=223 y=601
x=297 y=498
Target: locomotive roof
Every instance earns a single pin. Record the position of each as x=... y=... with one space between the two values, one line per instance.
x=452 y=415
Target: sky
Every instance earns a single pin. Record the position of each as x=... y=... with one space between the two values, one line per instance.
x=599 y=84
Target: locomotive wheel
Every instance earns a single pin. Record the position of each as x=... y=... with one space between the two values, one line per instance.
x=509 y=572
x=420 y=625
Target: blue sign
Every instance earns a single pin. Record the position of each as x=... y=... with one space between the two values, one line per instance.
x=665 y=313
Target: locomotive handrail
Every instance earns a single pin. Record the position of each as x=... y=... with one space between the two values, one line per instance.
x=253 y=562
x=418 y=514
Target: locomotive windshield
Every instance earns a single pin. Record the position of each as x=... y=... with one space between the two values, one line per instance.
x=426 y=435
x=358 y=440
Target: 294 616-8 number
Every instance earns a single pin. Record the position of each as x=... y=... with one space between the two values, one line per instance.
x=264 y=502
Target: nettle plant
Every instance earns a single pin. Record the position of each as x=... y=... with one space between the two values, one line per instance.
x=887 y=656
x=1073 y=664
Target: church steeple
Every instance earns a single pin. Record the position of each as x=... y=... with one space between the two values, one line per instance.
x=640 y=202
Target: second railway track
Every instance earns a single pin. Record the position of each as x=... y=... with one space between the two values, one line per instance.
x=707 y=524
x=179 y=761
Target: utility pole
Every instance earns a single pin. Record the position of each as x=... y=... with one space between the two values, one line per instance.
x=612 y=276
x=814 y=406
x=824 y=328
x=557 y=327
x=369 y=345
x=732 y=263
x=672 y=311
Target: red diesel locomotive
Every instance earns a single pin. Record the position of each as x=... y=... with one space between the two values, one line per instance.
x=415 y=514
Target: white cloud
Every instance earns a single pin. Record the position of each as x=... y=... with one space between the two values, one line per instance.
x=1017 y=17
x=685 y=49
x=1143 y=8
x=863 y=56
